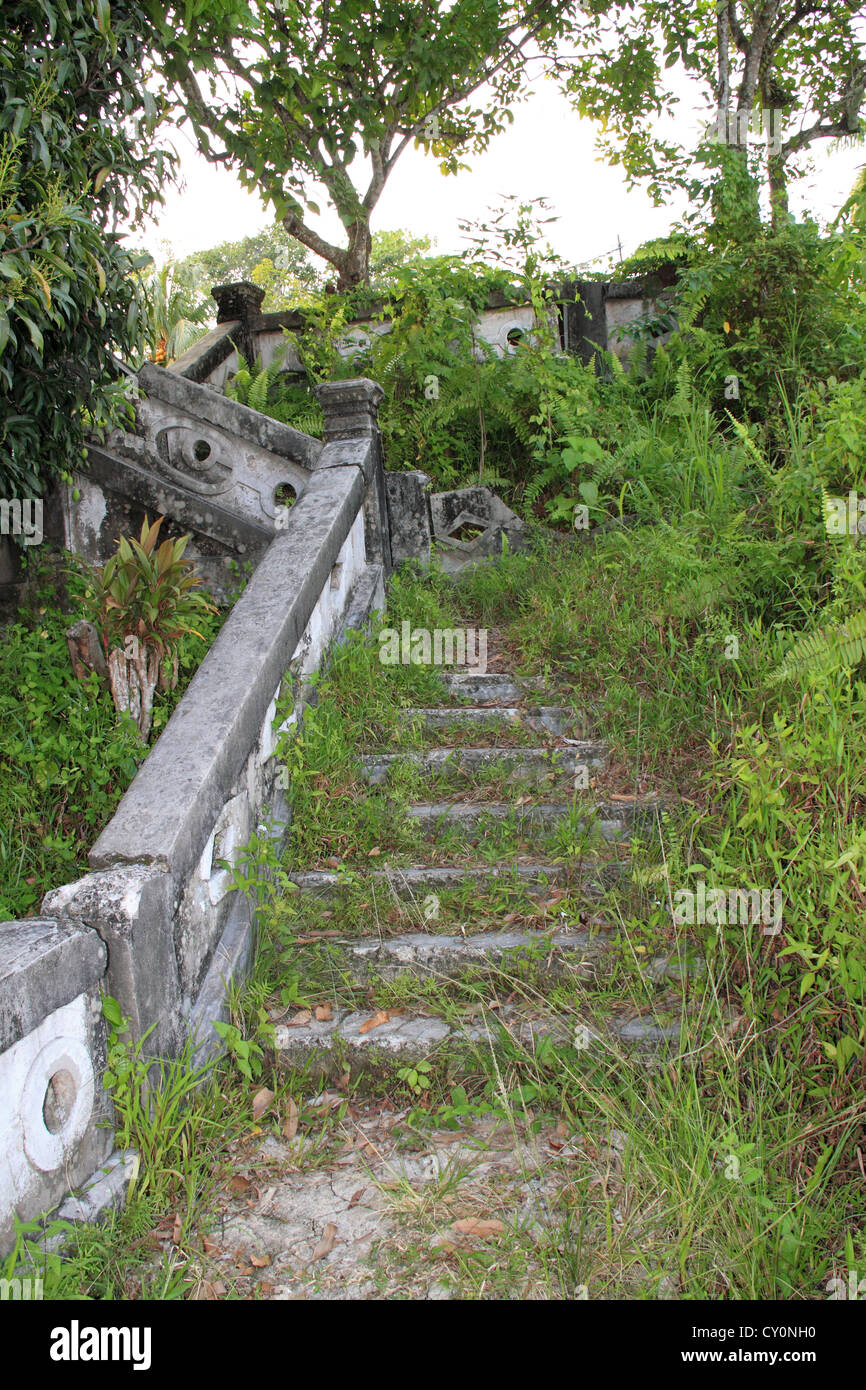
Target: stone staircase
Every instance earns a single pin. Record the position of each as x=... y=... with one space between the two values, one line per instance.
x=405 y=1004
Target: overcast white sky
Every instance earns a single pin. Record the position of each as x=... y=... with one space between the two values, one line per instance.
x=548 y=151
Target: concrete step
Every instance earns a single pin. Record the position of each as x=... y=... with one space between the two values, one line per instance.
x=613 y=821
x=546 y=719
x=338 y=1045
x=493 y=686
x=424 y=955
x=416 y=882
x=532 y=764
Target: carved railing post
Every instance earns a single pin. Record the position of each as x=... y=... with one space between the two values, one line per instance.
x=351 y=411
x=241 y=302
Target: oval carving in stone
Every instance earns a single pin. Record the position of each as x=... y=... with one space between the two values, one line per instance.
x=196 y=456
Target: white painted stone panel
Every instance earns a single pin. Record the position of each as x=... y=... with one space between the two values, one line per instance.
x=59 y=1048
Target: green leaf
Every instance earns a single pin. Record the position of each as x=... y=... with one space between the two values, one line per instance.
x=35 y=334
x=112 y=1011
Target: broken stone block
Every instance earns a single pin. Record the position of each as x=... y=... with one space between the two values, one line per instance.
x=469 y=525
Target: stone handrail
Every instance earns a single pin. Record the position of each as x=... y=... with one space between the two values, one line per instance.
x=155 y=923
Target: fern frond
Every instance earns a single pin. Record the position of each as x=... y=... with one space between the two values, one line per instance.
x=261 y=387
x=830 y=649
x=539 y=481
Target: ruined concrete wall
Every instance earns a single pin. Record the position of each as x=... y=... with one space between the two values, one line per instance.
x=584 y=318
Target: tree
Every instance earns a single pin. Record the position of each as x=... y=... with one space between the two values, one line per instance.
x=391 y=252
x=271 y=258
x=76 y=154
x=292 y=94
x=853 y=210
x=175 y=310
x=145 y=600
x=282 y=267
x=798 y=62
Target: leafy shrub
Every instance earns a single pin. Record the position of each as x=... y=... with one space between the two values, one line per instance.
x=76 y=152
x=65 y=760
x=144 y=602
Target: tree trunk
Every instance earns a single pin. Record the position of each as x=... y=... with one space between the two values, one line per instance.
x=735 y=199
x=778 y=191
x=352 y=263
x=85 y=651
x=133 y=672
x=355 y=269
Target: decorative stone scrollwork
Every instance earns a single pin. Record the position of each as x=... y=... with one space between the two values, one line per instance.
x=194 y=455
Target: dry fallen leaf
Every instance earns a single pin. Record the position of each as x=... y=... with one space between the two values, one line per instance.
x=266 y=1288
x=371 y=853
x=323 y=1013
x=300 y=1019
x=177 y=1230
x=209 y=1247
x=290 y=1124
x=261 y=1101
x=329 y=1098
x=356 y=1197
x=380 y=1016
x=326 y=1244
x=476 y=1226
x=260 y=1261
x=239 y=1185
x=333 y=862
x=208 y=1290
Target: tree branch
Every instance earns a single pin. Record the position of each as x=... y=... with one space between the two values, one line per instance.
x=295 y=227
x=740 y=39
x=754 y=57
x=723 y=36
x=800 y=13
x=837 y=131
